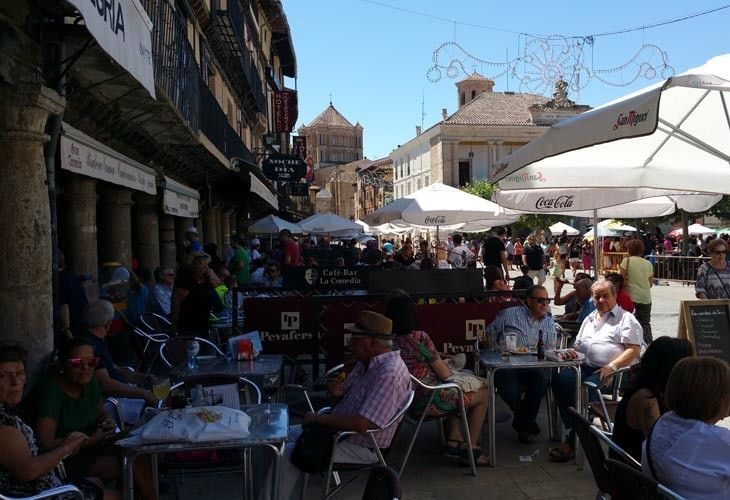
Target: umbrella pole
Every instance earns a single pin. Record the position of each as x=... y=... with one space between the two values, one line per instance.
x=596 y=245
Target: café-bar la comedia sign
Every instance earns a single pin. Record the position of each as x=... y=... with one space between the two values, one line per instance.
x=83 y=155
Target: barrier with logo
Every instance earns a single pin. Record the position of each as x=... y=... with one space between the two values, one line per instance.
x=453 y=323
x=284 y=322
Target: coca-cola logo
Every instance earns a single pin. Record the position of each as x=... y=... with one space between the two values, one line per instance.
x=436 y=219
x=630 y=119
x=562 y=201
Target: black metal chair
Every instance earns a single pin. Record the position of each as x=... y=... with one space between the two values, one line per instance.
x=633 y=484
x=383 y=484
x=594 y=453
x=155 y=323
x=418 y=419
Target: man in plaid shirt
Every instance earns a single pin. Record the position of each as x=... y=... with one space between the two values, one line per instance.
x=368 y=399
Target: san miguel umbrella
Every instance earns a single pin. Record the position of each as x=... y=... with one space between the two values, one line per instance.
x=441 y=205
x=670 y=139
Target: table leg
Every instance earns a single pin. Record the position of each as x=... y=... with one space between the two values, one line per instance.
x=128 y=475
x=278 y=452
x=492 y=420
x=579 y=406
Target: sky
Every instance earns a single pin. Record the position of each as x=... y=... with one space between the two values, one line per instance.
x=373 y=56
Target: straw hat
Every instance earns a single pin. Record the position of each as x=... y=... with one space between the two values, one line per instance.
x=372 y=323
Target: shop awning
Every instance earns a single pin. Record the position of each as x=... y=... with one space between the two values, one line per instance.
x=180 y=200
x=83 y=155
x=260 y=189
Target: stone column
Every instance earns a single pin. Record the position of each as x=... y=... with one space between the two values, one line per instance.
x=115 y=226
x=148 y=231
x=454 y=164
x=209 y=235
x=218 y=211
x=226 y=216
x=26 y=296
x=500 y=152
x=490 y=154
x=168 y=245
x=241 y=222
x=181 y=224
x=79 y=222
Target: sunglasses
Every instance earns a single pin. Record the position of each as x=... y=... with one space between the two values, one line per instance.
x=541 y=300
x=79 y=362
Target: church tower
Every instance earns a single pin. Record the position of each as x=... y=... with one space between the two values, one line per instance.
x=332 y=139
x=473 y=85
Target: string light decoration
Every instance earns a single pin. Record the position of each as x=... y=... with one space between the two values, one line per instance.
x=545 y=60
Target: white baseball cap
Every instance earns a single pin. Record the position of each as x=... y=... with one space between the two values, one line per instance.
x=255 y=242
x=192 y=229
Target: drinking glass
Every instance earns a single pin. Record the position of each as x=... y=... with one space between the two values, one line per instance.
x=161 y=389
x=271 y=385
x=193 y=348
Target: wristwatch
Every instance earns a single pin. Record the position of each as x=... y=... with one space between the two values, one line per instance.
x=613 y=367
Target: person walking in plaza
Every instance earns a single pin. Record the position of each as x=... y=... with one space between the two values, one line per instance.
x=533 y=257
x=517 y=261
x=194 y=297
x=461 y=256
x=241 y=262
x=290 y=253
x=494 y=252
x=587 y=256
x=638 y=276
x=192 y=241
x=713 y=277
x=162 y=291
x=525 y=321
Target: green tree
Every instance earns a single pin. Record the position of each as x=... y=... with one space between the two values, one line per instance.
x=527 y=222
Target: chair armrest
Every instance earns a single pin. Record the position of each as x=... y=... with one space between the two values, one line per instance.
x=326 y=409
x=67 y=489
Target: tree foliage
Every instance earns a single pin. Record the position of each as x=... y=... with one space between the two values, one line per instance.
x=527 y=222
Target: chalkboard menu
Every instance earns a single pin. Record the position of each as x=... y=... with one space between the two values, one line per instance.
x=706 y=323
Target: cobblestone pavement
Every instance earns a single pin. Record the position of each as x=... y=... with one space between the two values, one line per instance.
x=429 y=475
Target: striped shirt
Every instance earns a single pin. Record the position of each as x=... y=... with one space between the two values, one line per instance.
x=376 y=392
x=519 y=320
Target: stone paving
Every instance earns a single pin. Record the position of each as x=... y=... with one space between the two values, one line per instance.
x=429 y=475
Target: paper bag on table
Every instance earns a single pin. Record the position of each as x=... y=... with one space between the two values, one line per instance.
x=206 y=423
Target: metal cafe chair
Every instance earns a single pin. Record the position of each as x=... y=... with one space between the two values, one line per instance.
x=594 y=453
x=156 y=323
x=616 y=448
x=383 y=484
x=317 y=385
x=605 y=407
x=151 y=339
x=418 y=420
x=633 y=484
x=65 y=491
x=333 y=468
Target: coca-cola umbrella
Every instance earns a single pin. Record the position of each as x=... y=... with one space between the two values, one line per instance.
x=442 y=205
x=667 y=139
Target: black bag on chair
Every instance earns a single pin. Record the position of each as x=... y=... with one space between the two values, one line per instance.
x=313 y=448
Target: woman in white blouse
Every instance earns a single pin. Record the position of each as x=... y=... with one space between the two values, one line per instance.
x=685 y=450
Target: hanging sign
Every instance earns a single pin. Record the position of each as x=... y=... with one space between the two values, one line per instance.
x=180 y=200
x=278 y=167
x=122 y=29
x=285 y=110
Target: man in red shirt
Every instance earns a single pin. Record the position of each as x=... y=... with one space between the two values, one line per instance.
x=290 y=255
x=622 y=297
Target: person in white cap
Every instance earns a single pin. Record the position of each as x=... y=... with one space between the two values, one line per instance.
x=255 y=245
x=192 y=240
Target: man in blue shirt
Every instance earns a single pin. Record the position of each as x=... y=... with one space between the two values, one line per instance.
x=526 y=322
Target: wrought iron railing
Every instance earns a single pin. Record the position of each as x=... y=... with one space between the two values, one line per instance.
x=227 y=28
x=176 y=71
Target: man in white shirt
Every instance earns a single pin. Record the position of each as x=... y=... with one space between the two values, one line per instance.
x=610 y=338
x=461 y=255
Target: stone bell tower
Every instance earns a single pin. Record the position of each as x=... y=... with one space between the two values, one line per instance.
x=471 y=87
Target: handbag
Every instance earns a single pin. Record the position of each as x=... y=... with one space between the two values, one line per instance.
x=313 y=449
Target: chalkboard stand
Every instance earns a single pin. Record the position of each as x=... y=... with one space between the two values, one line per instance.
x=717 y=338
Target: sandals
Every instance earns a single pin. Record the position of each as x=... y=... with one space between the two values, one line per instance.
x=454 y=452
x=560 y=455
x=479 y=459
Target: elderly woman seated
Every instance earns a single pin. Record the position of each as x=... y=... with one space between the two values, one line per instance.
x=610 y=338
x=69 y=402
x=685 y=450
x=23 y=470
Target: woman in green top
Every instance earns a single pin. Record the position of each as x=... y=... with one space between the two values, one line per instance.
x=638 y=276
x=71 y=401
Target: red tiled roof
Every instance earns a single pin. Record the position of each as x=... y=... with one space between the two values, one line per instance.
x=497 y=108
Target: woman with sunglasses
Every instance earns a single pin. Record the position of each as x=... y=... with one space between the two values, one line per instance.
x=70 y=401
x=24 y=471
x=713 y=277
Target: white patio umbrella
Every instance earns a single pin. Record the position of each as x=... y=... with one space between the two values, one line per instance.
x=694 y=229
x=559 y=227
x=329 y=224
x=603 y=232
x=441 y=205
x=391 y=228
x=616 y=225
x=271 y=224
x=669 y=138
